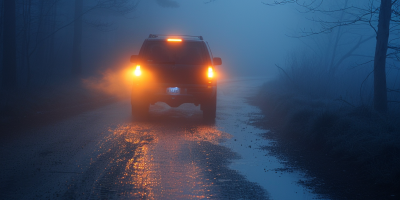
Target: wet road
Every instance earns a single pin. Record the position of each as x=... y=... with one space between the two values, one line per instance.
x=105 y=154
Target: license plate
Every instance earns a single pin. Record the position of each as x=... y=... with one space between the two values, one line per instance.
x=173 y=90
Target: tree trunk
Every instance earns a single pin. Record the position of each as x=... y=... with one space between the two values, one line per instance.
x=9 y=71
x=77 y=43
x=382 y=38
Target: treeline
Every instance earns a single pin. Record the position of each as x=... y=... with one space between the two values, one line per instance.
x=47 y=47
x=340 y=99
x=42 y=39
x=361 y=21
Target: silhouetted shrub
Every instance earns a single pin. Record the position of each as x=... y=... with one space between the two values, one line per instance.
x=355 y=134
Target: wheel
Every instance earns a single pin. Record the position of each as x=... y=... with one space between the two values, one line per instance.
x=210 y=108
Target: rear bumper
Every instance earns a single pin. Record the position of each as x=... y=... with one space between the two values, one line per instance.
x=189 y=93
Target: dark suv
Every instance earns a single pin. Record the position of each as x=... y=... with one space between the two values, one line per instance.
x=175 y=70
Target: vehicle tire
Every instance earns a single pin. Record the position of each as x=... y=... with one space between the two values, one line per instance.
x=210 y=108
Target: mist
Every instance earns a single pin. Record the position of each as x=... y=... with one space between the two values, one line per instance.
x=245 y=34
x=252 y=38
x=309 y=85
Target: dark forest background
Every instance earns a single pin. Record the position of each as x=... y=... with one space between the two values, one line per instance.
x=43 y=59
x=50 y=50
x=46 y=46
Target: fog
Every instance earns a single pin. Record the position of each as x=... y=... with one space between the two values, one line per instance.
x=252 y=38
x=247 y=35
x=320 y=77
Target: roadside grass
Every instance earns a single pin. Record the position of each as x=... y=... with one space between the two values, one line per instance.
x=357 y=135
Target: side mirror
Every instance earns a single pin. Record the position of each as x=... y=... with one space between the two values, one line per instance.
x=134 y=58
x=217 y=61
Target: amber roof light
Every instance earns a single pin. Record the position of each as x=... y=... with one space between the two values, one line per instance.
x=174 y=40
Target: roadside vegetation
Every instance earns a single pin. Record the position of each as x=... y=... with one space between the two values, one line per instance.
x=340 y=96
x=334 y=115
x=55 y=100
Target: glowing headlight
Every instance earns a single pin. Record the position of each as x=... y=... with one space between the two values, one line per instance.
x=137 y=71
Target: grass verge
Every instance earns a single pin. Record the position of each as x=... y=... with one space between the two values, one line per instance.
x=331 y=137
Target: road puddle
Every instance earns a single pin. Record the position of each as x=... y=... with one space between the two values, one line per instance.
x=256 y=163
x=160 y=168
x=175 y=155
x=170 y=158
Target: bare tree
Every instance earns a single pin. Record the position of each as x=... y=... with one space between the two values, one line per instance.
x=382 y=39
x=367 y=15
x=31 y=34
x=36 y=38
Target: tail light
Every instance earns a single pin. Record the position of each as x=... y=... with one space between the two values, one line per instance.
x=210 y=72
x=137 y=71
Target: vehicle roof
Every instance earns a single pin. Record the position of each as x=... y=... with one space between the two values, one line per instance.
x=184 y=37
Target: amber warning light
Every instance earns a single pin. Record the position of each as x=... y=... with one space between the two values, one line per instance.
x=174 y=40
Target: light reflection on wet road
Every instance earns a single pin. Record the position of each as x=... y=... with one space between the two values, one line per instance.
x=170 y=157
x=104 y=154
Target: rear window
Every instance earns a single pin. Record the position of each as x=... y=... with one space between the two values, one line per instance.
x=185 y=53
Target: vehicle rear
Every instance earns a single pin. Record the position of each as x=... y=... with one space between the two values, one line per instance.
x=174 y=70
